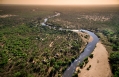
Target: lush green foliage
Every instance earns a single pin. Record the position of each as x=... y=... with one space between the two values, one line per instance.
x=114 y=61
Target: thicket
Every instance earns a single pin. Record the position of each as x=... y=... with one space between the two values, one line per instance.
x=114 y=61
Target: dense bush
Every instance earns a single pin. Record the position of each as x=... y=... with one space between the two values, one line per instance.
x=3 y=58
x=114 y=62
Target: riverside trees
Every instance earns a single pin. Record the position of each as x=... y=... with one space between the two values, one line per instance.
x=114 y=61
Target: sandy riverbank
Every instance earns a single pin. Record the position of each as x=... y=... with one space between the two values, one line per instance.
x=99 y=64
x=85 y=41
x=90 y=39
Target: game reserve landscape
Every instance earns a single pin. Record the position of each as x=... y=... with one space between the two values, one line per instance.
x=48 y=40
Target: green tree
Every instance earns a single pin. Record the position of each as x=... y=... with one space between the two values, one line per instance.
x=3 y=59
x=114 y=62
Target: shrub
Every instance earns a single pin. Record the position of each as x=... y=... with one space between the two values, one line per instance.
x=22 y=73
x=91 y=56
x=89 y=67
x=72 y=59
x=78 y=71
x=56 y=66
x=3 y=59
x=63 y=69
x=59 y=75
x=81 y=65
x=86 y=60
x=75 y=75
x=17 y=74
x=114 y=62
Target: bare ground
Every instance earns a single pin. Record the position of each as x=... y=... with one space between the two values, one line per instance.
x=99 y=64
x=7 y=15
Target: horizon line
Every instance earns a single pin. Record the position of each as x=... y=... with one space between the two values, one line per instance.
x=61 y=4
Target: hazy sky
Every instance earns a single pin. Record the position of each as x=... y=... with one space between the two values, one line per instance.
x=59 y=2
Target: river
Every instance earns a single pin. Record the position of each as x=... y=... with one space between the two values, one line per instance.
x=87 y=51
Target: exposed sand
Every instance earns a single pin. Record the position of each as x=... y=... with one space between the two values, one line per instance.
x=96 y=17
x=99 y=64
x=51 y=44
x=7 y=15
x=90 y=39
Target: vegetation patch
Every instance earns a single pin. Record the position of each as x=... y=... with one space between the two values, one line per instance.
x=91 y=56
x=88 y=68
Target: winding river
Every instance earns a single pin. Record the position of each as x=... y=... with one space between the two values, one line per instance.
x=87 y=51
